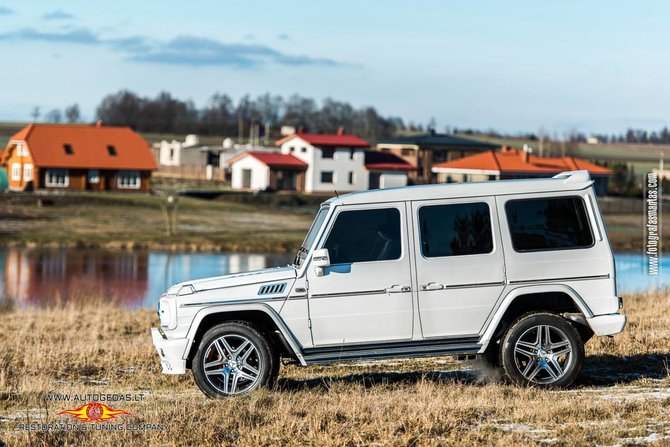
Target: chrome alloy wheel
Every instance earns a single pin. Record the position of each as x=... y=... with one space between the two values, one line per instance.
x=543 y=354
x=232 y=364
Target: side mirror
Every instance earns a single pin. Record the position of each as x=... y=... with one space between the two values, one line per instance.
x=321 y=260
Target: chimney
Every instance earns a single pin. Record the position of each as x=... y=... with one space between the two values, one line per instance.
x=525 y=153
x=301 y=130
x=98 y=123
x=340 y=131
x=504 y=149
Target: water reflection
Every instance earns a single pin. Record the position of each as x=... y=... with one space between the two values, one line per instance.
x=134 y=279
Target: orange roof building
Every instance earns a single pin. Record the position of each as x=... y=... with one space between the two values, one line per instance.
x=515 y=163
x=78 y=157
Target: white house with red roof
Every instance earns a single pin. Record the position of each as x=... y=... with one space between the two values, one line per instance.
x=258 y=171
x=311 y=162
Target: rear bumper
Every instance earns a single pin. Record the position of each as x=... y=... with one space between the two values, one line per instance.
x=609 y=324
x=171 y=353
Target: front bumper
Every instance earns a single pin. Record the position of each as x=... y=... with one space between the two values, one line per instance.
x=609 y=324
x=171 y=352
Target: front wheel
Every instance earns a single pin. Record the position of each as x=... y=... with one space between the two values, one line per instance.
x=233 y=359
x=542 y=349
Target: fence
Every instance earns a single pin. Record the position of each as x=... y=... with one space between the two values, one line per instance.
x=191 y=172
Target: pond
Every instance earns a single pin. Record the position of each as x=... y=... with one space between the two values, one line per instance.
x=137 y=278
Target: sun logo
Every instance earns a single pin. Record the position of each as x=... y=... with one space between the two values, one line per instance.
x=94 y=412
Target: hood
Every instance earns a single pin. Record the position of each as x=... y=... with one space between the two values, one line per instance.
x=236 y=279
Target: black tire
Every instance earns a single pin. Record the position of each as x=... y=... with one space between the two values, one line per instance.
x=558 y=359
x=229 y=375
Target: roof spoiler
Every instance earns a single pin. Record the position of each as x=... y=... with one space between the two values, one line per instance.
x=574 y=176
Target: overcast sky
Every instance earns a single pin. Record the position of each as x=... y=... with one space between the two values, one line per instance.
x=513 y=66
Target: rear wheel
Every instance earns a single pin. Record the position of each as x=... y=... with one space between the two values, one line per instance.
x=233 y=359
x=542 y=349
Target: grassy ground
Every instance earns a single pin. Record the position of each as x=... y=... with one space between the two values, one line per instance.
x=116 y=221
x=621 y=398
x=138 y=221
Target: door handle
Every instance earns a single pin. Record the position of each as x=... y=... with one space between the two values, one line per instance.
x=397 y=288
x=432 y=286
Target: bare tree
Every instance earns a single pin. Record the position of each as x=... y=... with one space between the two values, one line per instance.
x=72 y=114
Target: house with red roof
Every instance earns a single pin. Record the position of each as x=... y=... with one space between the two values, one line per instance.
x=312 y=162
x=79 y=158
x=515 y=164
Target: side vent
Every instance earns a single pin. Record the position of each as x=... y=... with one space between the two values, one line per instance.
x=270 y=289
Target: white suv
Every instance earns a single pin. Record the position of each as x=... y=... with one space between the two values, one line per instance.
x=520 y=272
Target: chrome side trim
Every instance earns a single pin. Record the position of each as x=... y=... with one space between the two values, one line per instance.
x=220 y=303
x=570 y=278
x=362 y=292
x=466 y=286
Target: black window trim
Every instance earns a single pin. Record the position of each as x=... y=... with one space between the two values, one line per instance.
x=342 y=208
x=536 y=250
x=493 y=227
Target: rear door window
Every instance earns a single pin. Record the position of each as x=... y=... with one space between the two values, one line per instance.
x=554 y=223
x=455 y=230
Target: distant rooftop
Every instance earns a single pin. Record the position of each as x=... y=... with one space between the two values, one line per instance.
x=340 y=139
x=518 y=161
x=430 y=140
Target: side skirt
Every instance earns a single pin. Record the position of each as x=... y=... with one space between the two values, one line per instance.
x=389 y=350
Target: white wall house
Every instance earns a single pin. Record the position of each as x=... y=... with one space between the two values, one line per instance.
x=336 y=162
x=316 y=163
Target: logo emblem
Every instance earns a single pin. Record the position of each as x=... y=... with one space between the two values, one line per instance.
x=94 y=412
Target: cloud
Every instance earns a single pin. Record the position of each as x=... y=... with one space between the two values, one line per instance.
x=198 y=51
x=283 y=36
x=182 y=50
x=58 y=15
x=5 y=11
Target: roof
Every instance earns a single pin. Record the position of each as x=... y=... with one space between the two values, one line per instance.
x=514 y=160
x=568 y=181
x=385 y=161
x=273 y=160
x=431 y=140
x=89 y=147
x=329 y=140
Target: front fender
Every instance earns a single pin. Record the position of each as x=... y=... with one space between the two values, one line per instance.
x=260 y=307
x=525 y=290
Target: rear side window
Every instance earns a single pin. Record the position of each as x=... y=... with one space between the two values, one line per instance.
x=548 y=224
x=365 y=235
x=454 y=230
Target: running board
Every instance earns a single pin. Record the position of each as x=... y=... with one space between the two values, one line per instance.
x=388 y=350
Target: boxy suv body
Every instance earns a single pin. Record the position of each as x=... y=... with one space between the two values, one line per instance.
x=519 y=272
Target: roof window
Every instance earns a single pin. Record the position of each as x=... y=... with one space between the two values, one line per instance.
x=68 y=149
x=111 y=150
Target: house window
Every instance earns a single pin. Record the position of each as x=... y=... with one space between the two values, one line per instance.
x=111 y=150
x=27 y=172
x=291 y=149
x=57 y=178
x=16 y=171
x=128 y=179
x=352 y=152
x=328 y=153
x=171 y=153
x=304 y=150
x=93 y=176
x=68 y=149
x=407 y=152
x=327 y=176
x=352 y=177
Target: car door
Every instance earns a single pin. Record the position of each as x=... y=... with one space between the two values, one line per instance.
x=459 y=264
x=365 y=294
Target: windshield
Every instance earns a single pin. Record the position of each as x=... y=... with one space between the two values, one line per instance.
x=311 y=236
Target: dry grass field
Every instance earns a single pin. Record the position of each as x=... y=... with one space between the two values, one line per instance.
x=622 y=397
